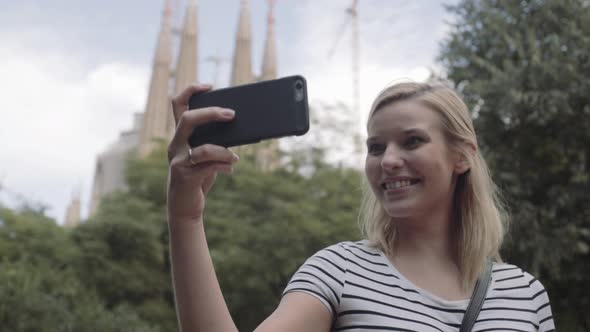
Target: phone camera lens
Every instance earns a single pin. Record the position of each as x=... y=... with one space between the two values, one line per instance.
x=299 y=93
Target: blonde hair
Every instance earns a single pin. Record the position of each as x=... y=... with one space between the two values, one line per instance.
x=479 y=214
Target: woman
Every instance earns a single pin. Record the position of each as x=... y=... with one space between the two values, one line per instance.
x=431 y=217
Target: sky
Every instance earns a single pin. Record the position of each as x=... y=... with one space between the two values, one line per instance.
x=72 y=73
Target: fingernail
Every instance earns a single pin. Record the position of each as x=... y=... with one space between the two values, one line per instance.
x=228 y=113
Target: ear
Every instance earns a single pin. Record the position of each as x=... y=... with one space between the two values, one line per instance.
x=462 y=164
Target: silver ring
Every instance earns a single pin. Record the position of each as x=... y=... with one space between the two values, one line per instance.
x=190 y=156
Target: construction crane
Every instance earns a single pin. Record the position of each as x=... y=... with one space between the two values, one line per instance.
x=352 y=19
x=21 y=199
x=217 y=61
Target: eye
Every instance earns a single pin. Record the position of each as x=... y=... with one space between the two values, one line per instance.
x=375 y=148
x=413 y=142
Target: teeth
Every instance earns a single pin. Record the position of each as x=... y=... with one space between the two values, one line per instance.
x=397 y=184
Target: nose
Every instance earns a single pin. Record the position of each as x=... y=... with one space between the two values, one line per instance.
x=392 y=158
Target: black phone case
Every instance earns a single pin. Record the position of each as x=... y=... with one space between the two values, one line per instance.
x=264 y=110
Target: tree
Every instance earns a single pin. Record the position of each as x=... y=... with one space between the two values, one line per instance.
x=28 y=235
x=39 y=287
x=124 y=247
x=261 y=226
x=122 y=257
x=112 y=272
x=522 y=67
x=333 y=139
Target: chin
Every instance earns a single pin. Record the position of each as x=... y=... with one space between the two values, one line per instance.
x=400 y=210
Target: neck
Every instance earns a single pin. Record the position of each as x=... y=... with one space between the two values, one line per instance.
x=424 y=243
x=426 y=238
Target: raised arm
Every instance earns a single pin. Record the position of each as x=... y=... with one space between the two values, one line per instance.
x=199 y=302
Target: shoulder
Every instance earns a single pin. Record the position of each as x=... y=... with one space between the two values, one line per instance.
x=519 y=291
x=348 y=250
x=323 y=275
x=337 y=250
x=509 y=277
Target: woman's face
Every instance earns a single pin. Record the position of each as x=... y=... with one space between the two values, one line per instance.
x=409 y=164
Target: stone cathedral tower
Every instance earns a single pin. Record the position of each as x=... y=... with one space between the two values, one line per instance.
x=156 y=122
x=266 y=154
x=72 y=217
x=241 y=72
x=269 y=58
x=186 y=66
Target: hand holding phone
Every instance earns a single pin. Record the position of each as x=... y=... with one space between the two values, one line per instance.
x=192 y=171
x=263 y=110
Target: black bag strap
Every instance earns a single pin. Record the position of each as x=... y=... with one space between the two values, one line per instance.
x=476 y=302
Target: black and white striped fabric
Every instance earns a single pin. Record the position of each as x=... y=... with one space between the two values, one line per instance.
x=365 y=292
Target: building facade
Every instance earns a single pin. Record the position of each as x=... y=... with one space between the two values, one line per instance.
x=169 y=78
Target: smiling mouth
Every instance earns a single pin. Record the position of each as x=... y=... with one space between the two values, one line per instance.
x=399 y=184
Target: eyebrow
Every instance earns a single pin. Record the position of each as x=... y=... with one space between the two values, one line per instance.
x=406 y=132
x=413 y=131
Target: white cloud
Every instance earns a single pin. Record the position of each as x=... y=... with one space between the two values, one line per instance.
x=395 y=44
x=398 y=41
x=57 y=115
x=57 y=112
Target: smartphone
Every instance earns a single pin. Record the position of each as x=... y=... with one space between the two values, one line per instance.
x=264 y=110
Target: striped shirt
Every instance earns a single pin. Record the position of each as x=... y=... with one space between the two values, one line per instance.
x=365 y=292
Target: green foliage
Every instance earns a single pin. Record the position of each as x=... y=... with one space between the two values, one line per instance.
x=522 y=67
x=30 y=236
x=41 y=298
x=147 y=178
x=122 y=257
x=262 y=226
x=112 y=272
x=39 y=287
x=123 y=248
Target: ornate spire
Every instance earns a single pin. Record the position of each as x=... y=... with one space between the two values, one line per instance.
x=72 y=217
x=155 y=124
x=97 y=187
x=186 y=65
x=242 y=61
x=269 y=60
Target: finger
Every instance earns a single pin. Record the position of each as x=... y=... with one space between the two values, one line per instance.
x=208 y=183
x=209 y=153
x=206 y=170
x=180 y=102
x=212 y=169
x=189 y=120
